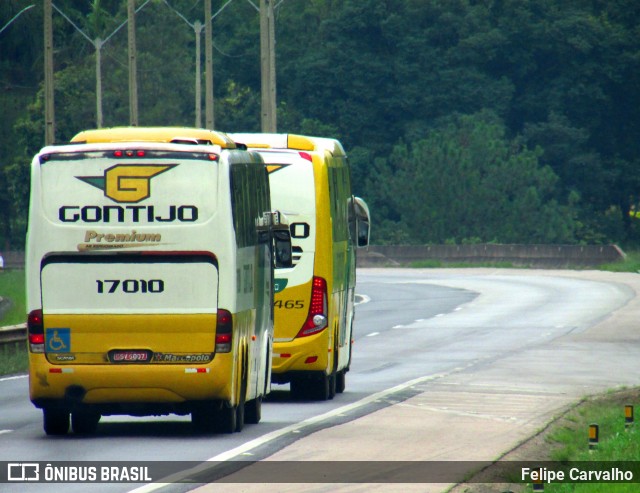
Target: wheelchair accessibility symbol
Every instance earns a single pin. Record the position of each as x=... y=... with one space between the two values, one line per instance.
x=58 y=340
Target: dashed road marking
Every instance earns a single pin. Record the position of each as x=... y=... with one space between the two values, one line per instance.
x=15 y=377
x=295 y=428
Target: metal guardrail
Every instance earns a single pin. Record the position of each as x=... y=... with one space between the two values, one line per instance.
x=13 y=333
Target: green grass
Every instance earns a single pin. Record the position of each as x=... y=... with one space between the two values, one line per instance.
x=434 y=264
x=630 y=264
x=13 y=357
x=567 y=440
x=12 y=288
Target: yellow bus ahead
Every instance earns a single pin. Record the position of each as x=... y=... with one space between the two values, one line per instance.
x=314 y=301
x=150 y=279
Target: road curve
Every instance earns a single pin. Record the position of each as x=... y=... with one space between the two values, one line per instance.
x=448 y=365
x=528 y=346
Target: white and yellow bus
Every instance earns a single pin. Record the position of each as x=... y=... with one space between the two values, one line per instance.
x=314 y=303
x=150 y=279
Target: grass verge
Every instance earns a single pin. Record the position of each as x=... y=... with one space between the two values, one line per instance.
x=12 y=288
x=630 y=264
x=436 y=264
x=565 y=443
x=13 y=357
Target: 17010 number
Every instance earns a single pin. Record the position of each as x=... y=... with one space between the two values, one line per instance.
x=111 y=286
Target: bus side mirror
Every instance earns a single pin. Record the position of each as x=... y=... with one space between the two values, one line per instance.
x=362 y=228
x=363 y=222
x=283 y=251
x=274 y=227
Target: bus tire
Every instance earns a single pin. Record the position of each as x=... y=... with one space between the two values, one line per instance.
x=226 y=418
x=240 y=408
x=341 y=381
x=298 y=388
x=84 y=422
x=320 y=388
x=334 y=373
x=55 y=421
x=253 y=411
x=332 y=385
x=203 y=418
x=240 y=417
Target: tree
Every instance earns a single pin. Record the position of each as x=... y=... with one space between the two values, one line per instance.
x=372 y=73
x=465 y=181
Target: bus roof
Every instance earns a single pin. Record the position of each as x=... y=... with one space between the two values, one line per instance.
x=288 y=141
x=184 y=135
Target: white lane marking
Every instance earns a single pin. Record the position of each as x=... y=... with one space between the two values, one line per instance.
x=363 y=299
x=373 y=334
x=15 y=377
x=294 y=428
x=2 y=432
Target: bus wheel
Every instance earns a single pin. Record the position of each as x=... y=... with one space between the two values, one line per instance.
x=240 y=409
x=203 y=418
x=298 y=388
x=56 y=421
x=240 y=418
x=320 y=388
x=253 y=411
x=84 y=422
x=332 y=385
x=341 y=381
x=226 y=418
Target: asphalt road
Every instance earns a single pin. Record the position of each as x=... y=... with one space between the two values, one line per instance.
x=448 y=365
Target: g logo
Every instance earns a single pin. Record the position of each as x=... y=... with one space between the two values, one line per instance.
x=130 y=183
x=127 y=183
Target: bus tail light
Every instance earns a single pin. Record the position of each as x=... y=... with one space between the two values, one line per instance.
x=129 y=153
x=224 y=329
x=317 y=317
x=35 y=330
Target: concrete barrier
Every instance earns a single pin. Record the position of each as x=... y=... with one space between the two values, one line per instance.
x=540 y=256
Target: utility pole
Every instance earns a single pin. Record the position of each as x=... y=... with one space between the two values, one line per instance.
x=98 y=47
x=97 y=43
x=49 y=118
x=133 y=73
x=197 y=27
x=208 y=67
x=268 y=66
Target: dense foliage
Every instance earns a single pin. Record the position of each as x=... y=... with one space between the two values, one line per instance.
x=466 y=120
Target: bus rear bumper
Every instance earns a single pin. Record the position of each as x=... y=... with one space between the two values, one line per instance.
x=128 y=389
x=300 y=357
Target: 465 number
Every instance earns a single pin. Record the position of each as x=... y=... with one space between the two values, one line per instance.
x=289 y=304
x=128 y=286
